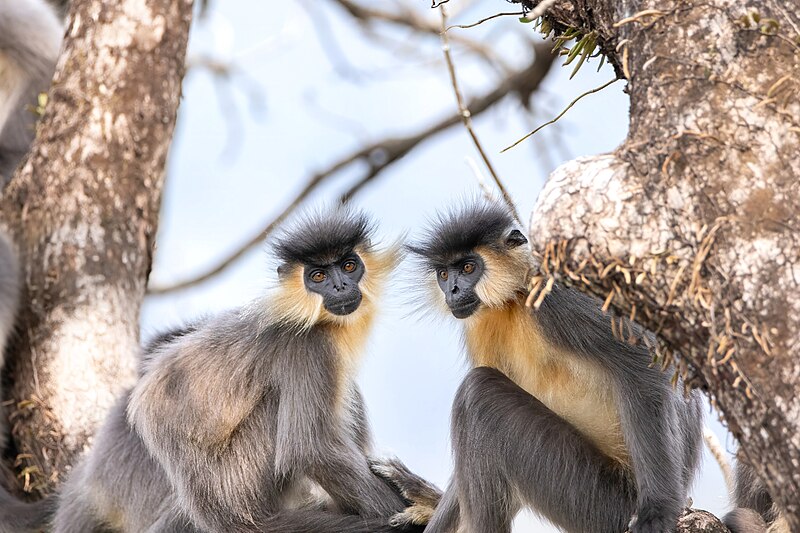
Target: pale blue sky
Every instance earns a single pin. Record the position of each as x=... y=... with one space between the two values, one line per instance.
x=305 y=116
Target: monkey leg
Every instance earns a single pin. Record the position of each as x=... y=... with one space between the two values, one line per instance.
x=345 y=475
x=511 y=450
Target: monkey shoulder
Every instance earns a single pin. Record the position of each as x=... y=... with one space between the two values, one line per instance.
x=201 y=382
x=576 y=322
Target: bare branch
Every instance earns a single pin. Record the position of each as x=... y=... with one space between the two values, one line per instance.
x=466 y=117
x=714 y=446
x=485 y=19
x=572 y=103
x=379 y=156
x=540 y=9
x=409 y=18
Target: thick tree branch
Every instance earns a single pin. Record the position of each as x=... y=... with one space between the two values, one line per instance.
x=83 y=211
x=691 y=225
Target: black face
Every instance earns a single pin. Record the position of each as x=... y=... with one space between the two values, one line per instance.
x=337 y=283
x=457 y=281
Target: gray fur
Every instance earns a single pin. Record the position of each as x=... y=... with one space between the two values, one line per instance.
x=754 y=508
x=662 y=427
x=15 y=516
x=512 y=451
x=238 y=423
x=9 y=292
x=30 y=39
x=9 y=300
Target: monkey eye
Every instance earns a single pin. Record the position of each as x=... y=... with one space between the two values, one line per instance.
x=468 y=268
x=318 y=276
x=443 y=274
x=349 y=266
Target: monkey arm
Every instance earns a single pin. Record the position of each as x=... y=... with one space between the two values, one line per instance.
x=311 y=441
x=420 y=496
x=661 y=429
x=652 y=434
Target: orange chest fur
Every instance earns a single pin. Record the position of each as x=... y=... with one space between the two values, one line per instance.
x=580 y=392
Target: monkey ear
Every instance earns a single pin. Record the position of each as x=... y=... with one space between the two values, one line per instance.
x=283 y=270
x=515 y=238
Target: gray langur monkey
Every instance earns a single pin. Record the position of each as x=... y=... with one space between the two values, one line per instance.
x=754 y=511
x=557 y=414
x=252 y=420
x=30 y=40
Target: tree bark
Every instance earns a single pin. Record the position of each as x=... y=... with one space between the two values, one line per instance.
x=691 y=226
x=83 y=211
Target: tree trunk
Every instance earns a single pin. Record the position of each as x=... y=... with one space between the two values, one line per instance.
x=83 y=211
x=692 y=224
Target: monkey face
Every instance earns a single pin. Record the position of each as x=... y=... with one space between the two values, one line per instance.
x=337 y=283
x=457 y=281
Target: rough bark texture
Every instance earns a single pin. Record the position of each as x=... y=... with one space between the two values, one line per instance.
x=696 y=521
x=692 y=224
x=83 y=211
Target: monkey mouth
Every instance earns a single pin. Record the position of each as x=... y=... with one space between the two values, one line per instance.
x=464 y=309
x=344 y=307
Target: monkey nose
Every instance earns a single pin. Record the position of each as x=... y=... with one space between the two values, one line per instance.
x=454 y=290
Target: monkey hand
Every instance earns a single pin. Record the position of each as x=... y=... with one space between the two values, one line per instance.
x=420 y=496
x=653 y=519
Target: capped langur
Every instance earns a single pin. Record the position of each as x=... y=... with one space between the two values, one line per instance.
x=30 y=40
x=558 y=414
x=251 y=420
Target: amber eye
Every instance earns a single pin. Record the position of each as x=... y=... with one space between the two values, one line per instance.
x=468 y=268
x=443 y=274
x=349 y=266
x=318 y=276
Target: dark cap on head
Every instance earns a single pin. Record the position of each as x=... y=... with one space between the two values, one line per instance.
x=321 y=238
x=461 y=230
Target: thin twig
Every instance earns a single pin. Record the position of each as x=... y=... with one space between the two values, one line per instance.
x=474 y=24
x=592 y=91
x=540 y=9
x=378 y=156
x=523 y=82
x=466 y=117
x=714 y=446
x=482 y=183
x=409 y=18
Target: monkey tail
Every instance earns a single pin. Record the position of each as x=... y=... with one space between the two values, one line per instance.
x=317 y=521
x=17 y=516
